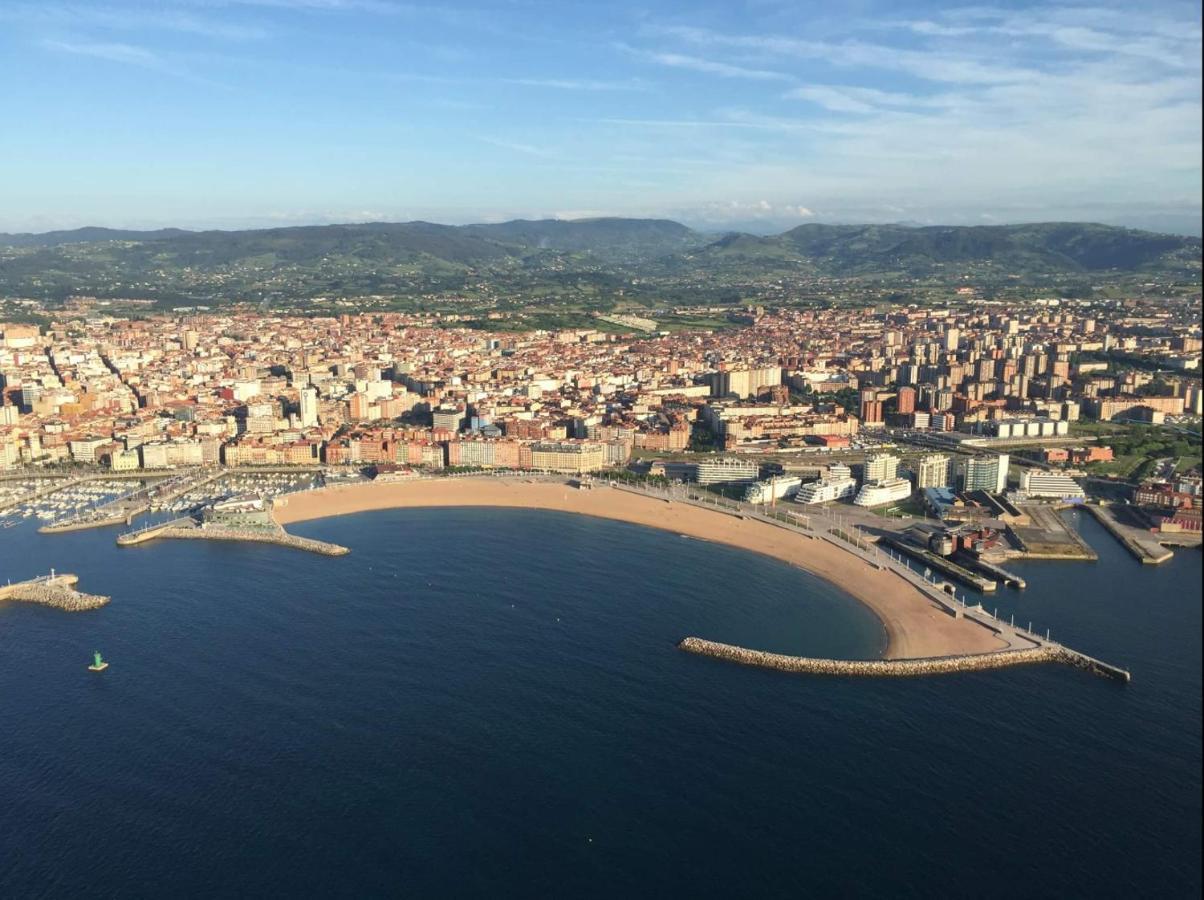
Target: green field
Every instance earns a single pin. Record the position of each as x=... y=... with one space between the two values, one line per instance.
x=1137 y=449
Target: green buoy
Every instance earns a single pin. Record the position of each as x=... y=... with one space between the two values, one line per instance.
x=98 y=664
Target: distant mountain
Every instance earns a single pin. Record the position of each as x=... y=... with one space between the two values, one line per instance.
x=607 y=238
x=85 y=236
x=383 y=242
x=1048 y=248
x=592 y=258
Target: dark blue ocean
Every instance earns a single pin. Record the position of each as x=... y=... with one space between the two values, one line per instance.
x=490 y=703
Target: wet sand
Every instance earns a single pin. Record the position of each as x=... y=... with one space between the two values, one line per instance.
x=915 y=626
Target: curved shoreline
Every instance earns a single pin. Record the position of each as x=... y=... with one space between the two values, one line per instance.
x=915 y=626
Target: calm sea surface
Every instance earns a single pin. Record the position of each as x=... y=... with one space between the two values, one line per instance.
x=489 y=702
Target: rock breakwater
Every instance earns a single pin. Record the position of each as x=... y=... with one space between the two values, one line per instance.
x=211 y=532
x=880 y=668
x=57 y=592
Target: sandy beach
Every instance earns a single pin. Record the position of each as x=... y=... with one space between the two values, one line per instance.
x=915 y=626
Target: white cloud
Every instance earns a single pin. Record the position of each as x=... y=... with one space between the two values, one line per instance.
x=1145 y=34
x=77 y=16
x=939 y=66
x=842 y=98
x=575 y=84
x=713 y=67
x=986 y=110
x=517 y=146
x=113 y=52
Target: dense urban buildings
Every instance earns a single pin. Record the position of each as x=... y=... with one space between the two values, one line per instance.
x=244 y=388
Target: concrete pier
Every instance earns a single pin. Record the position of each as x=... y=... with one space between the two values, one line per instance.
x=975 y=563
x=1047 y=536
x=1142 y=545
x=940 y=564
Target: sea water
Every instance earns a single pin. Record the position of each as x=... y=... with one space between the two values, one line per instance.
x=490 y=702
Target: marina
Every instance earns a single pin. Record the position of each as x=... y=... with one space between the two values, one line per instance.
x=95 y=501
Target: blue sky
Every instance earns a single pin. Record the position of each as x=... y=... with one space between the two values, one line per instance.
x=760 y=115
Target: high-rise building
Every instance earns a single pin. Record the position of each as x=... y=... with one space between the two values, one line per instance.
x=905 y=401
x=871 y=407
x=358 y=405
x=952 y=336
x=881 y=467
x=726 y=470
x=871 y=412
x=744 y=382
x=932 y=471
x=309 y=407
x=1038 y=483
x=449 y=418
x=988 y=472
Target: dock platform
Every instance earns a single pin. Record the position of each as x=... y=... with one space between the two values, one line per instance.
x=1142 y=545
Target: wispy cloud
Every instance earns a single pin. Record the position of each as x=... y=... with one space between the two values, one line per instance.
x=681 y=123
x=843 y=98
x=517 y=146
x=372 y=6
x=76 y=17
x=1145 y=34
x=574 y=84
x=1046 y=108
x=480 y=19
x=712 y=67
x=130 y=55
x=946 y=66
x=127 y=54
x=982 y=109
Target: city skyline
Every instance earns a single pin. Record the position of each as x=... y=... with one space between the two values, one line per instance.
x=247 y=113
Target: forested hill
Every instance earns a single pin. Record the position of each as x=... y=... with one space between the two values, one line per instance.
x=1047 y=248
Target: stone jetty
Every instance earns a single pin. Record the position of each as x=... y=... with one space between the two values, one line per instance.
x=189 y=529
x=889 y=668
x=53 y=590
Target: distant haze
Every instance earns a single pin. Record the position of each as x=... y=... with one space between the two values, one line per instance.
x=756 y=116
